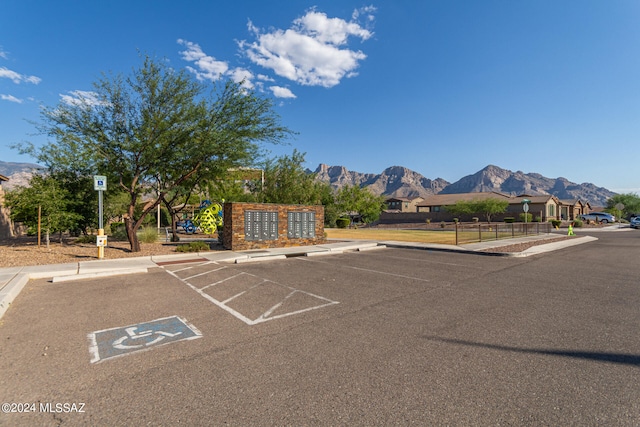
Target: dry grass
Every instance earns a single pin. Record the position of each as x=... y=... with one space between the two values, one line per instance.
x=444 y=237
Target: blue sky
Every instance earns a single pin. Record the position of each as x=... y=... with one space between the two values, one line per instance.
x=444 y=88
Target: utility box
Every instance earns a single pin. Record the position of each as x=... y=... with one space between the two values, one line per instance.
x=268 y=225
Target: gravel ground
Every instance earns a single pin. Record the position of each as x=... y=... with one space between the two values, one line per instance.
x=523 y=246
x=24 y=251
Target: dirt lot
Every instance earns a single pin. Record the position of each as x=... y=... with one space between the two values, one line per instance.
x=23 y=251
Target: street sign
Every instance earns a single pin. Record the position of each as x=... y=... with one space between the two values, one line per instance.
x=525 y=207
x=100 y=183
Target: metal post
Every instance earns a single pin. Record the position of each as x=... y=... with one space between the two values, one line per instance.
x=456 y=234
x=100 y=224
x=100 y=185
x=39 y=223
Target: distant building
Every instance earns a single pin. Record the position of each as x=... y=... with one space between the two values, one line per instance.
x=403 y=204
x=434 y=208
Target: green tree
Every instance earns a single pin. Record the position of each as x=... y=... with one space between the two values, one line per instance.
x=490 y=207
x=235 y=185
x=286 y=181
x=55 y=203
x=462 y=207
x=487 y=207
x=156 y=134
x=353 y=198
x=630 y=201
x=328 y=200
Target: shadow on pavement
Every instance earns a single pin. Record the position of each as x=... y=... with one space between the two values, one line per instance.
x=625 y=359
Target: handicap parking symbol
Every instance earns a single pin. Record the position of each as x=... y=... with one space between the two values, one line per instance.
x=120 y=341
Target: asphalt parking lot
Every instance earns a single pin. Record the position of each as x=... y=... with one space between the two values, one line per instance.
x=384 y=337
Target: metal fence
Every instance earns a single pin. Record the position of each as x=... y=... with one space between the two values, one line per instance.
x=482 y=232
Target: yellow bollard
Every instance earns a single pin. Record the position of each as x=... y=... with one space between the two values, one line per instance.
x=100 y=243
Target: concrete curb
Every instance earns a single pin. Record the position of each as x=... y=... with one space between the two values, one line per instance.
x=119 y=272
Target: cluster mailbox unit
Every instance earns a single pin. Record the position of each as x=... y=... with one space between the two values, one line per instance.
x=266 y=225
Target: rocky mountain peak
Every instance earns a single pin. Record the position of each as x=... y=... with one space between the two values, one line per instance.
x=398 y=181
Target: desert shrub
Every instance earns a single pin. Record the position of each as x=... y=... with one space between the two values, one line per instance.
x=577 y=223
x=555 y=222
x=89 y=238
x=148 y=235
x=529 y=217
x=118 y=232
x=343 y=222
x=193 y=247
x=509 y=219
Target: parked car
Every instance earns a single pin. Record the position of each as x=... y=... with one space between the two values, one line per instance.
x=635 y=222
x=600 y=217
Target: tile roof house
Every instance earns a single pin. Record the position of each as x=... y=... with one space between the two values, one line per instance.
x=571 y=209
x=403 y=204
x=438 y=202
x=433 y=208
x=546 y=207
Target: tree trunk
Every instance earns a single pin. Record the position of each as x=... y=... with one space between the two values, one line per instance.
x=174 y=228
x=132 y=235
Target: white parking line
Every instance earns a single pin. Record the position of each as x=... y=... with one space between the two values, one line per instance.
x=420 y=279
x=267 y=314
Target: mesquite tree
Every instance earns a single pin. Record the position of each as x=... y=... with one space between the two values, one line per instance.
x=156 y=133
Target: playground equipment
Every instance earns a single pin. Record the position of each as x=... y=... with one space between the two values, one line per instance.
x=207 y=220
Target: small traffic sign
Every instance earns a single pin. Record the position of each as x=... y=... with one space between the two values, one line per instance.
x=100 y=183
x=101 y=241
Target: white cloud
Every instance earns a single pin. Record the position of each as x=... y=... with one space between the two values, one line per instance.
x=207 y=67
x=80 y=97
x=11 y=98
x=265 y=78
x=313 y=51
x=18 y=78
x=282 y=92
x=3 y=54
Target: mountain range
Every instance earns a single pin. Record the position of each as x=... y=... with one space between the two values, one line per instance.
x=19 y=174
x=398 y=181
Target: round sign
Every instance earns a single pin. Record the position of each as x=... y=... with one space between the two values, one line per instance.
x=619 y=206
x=525 y=207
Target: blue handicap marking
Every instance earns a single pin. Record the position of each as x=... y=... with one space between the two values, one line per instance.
x=115 y=342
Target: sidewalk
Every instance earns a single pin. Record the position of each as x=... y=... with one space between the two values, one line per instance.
x=13 y=279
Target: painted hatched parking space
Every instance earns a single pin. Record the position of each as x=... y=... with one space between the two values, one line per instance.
x=248 y=297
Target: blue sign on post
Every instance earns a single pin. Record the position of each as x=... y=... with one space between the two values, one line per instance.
x=115 y=342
